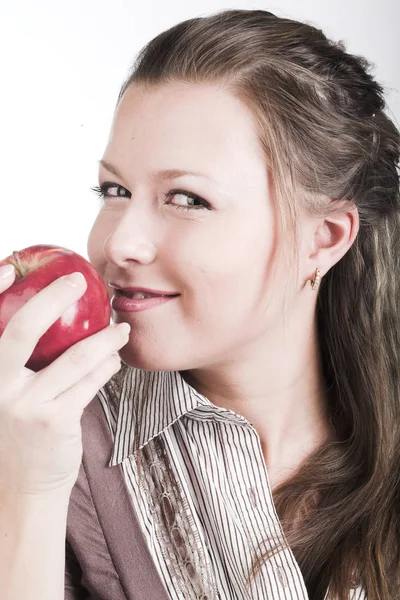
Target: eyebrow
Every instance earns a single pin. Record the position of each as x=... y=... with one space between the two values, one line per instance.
x=161 y=175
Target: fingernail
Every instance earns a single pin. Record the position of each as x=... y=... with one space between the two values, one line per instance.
x=75 y=279
x=6 y=271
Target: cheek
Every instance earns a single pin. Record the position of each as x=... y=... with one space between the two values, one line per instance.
x=95 y=246
x=231 y=268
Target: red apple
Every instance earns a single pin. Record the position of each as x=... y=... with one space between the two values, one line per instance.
x=36 y=267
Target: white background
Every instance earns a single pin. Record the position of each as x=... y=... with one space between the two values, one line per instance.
x=62 y=65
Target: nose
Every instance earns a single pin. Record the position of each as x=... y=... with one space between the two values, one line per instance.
x=128 y=240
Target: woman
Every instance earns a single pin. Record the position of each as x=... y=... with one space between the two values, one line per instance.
x=255 y=417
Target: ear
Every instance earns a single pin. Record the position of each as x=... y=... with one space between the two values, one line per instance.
x=332 y=238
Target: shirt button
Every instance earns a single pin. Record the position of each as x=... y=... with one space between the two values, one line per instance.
x=280 y=573
x=253 y=496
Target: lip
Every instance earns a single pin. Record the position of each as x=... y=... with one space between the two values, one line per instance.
x=122 y=303
x=133 y=290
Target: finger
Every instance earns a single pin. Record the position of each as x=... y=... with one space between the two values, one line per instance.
x=79 y=361
x=7 y=277
x=74 y=400
x=33 y=319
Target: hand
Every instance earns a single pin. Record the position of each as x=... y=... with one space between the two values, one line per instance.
x=40 y=413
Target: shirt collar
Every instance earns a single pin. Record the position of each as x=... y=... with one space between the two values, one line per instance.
x=164 y=397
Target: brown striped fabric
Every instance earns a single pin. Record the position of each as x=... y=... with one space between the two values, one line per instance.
x=203 y=522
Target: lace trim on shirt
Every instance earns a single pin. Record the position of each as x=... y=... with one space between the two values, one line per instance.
x=180 y=544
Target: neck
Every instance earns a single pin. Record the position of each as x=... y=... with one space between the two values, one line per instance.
x=280 y=391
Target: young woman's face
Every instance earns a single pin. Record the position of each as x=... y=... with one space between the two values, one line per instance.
x=218 y=256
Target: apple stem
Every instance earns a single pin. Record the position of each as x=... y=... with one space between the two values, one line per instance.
x=18 y=266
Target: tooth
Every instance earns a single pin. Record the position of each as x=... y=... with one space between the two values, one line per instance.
x=139 y=295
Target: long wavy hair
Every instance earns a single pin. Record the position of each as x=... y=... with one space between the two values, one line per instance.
x=328 y=143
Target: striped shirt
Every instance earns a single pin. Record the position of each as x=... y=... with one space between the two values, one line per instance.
x=205 y=521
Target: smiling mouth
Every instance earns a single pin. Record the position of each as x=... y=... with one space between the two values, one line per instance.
x=143 y=295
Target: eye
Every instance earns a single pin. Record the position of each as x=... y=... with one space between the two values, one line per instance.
x=103 y=191
x=202 y=204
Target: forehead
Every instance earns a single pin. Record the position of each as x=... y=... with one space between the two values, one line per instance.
x=189 y=126
x=193 y=105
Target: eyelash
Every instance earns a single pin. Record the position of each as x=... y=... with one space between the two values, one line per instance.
x=101 y=192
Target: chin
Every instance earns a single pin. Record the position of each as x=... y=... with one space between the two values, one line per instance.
x=147 y=361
